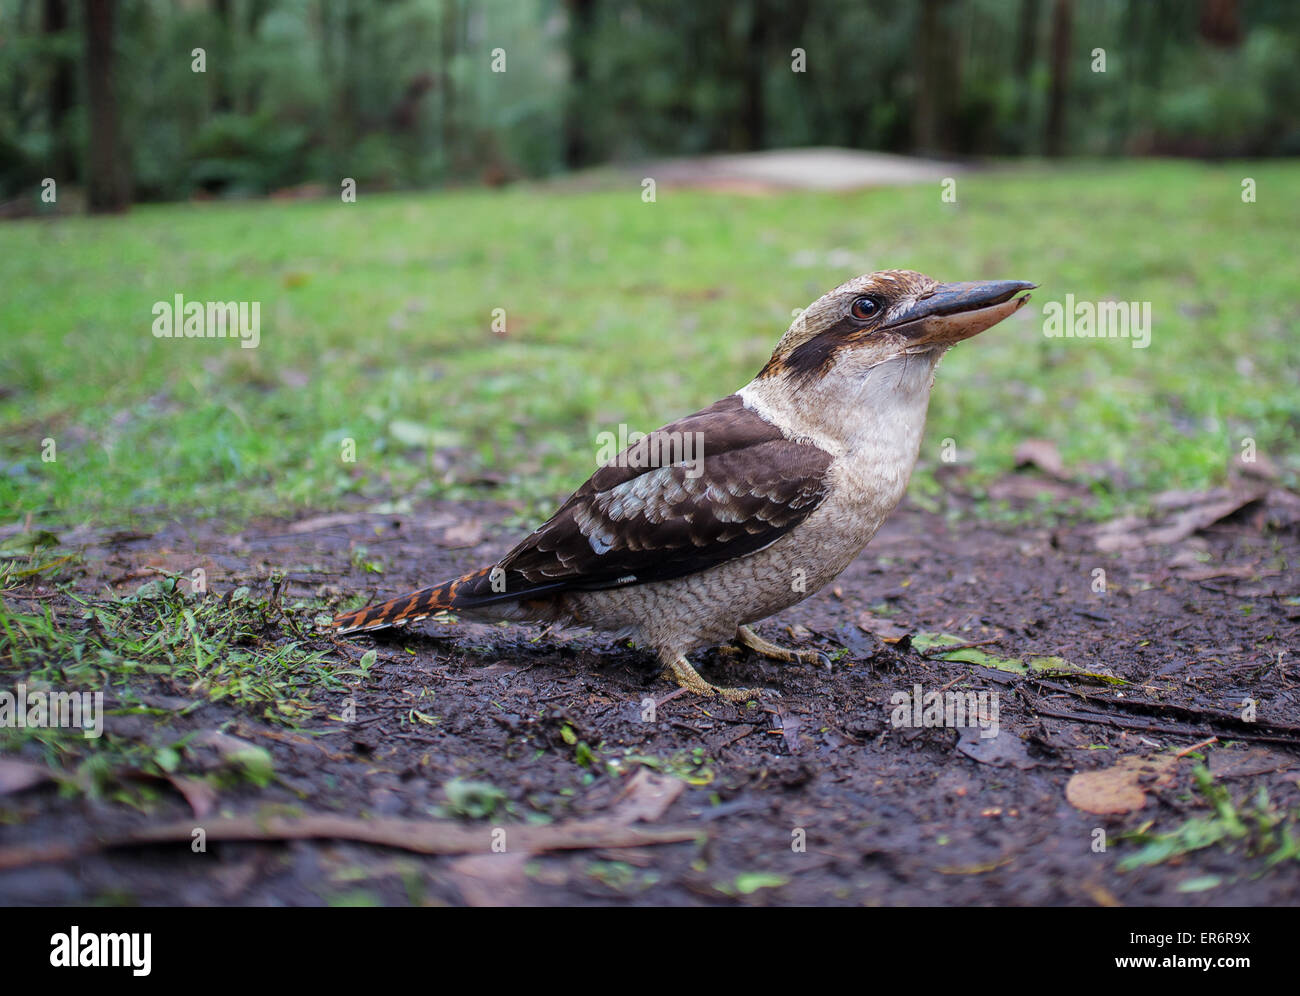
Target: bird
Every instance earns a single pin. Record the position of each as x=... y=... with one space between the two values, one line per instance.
x=720 y=519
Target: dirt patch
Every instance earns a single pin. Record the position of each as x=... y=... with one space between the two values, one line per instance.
x=819 y=796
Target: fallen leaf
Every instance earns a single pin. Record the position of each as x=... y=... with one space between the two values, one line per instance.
x=1119 y=788
x=647 y=796
x=1243 y=571
x=1261 y=467
x=462 y=534
x=1239 y=763
x=492 y=879
x=790 y=731
x=1198 y=513
x=198 y=792
x=1043 y=667
x=1004 y=750
x=886 y=629
x=327 y=522
x=15 y=776
x=1023 y=488
x=1043 y=454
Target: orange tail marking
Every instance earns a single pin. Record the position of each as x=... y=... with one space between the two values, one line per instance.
x=408 y=608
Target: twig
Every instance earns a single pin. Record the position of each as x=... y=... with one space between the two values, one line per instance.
x=1126 y=723
x=420 y=836
x=1195 y=747
x=1189 y=713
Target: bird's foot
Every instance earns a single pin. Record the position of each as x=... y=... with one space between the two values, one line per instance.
x=776 y=652
x=681 y=671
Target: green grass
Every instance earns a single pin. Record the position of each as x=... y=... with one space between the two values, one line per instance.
x=250 y=650
x=376 y=327
x=1255 y=826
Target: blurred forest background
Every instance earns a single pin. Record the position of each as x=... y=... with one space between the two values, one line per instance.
x=103 y=96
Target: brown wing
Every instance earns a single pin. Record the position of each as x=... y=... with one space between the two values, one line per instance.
x=641 y=518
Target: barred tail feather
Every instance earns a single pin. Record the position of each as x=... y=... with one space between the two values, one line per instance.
x=416 y=605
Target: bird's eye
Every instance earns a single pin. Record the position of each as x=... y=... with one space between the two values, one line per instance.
x=865 y=308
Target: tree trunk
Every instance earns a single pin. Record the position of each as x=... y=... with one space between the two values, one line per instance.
x=251 y=97
x=1026 y=51
x=1054 y=140
x=107 y=186
x=754 y=112
x=54 y=22
x=219 y=57
x=448 y=29
x=938 y=80
x=353 y=70
x=577 y=144
x=1221 y=23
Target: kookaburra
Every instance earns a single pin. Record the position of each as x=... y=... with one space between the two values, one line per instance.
x=799 y=468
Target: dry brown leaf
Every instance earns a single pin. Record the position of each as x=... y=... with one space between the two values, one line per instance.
x=1239 y=762
x=317 y=522
x=18 y=775
x=886 y=629
x=1243 y=571
x=1003 y=750
x=1043 y=454
x=1018 y=487
x=492 y=879
x=1212 y=507
x=646 y=798
x=1262 y=468
x=1119 y=789
x=198 y=792
x=462 y=534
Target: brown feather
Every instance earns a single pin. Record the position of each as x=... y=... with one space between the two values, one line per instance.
x=634 y=523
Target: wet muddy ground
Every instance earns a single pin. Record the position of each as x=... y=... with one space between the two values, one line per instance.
x=816 y=796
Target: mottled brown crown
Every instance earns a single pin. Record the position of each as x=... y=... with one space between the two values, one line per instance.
x=827 y=325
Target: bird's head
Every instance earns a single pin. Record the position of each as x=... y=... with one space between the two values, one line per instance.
x=883 y=316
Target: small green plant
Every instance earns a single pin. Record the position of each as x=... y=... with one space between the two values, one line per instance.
x=1255 y=826
x=246 y=649
x=472 y=799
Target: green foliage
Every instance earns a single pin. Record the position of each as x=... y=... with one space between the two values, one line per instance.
x=247 y=650
x=403 y=94
x=473 y=800
x=1255 y=825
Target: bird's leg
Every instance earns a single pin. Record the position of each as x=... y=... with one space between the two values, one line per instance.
x=766 y=648
x=680 y=670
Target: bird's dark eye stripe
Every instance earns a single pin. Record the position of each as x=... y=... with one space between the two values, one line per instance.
x=865 y=308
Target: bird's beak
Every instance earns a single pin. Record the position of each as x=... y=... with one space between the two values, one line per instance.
x=953 y=312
